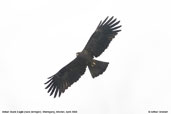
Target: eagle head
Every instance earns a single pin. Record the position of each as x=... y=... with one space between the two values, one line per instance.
x=78 y=53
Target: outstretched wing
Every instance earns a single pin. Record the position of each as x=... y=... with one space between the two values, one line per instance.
x=103 y=35
x=69 y=74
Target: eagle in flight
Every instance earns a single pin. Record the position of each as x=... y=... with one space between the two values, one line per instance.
x=98 y=42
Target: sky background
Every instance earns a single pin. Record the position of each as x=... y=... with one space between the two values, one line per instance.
x=39 y=37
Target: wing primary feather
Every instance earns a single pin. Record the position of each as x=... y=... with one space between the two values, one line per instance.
x=48 y=81
x=116 y=31
x=112 y=22
x=105 y=20
x=56 y=91
x=116 y=27
x=49 y=85
x=50 y=77
x=52 y=90
x=115 y=24
x=109 y=20
x=59 y=93
x=99 y=24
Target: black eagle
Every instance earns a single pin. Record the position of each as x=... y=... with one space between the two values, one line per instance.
x=98 y=42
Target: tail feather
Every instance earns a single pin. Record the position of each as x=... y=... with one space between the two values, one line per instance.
x=97 y=67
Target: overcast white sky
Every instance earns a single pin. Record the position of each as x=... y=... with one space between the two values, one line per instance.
x=39 y=37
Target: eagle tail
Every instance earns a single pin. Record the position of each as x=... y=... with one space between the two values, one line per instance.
x=97 y=67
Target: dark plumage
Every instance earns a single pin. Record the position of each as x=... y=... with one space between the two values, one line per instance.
x=98 y=42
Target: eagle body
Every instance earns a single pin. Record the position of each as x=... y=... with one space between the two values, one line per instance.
x=85 y=55
x=98 y=42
